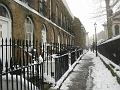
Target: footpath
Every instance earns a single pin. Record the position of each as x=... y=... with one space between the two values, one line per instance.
x=90 y=74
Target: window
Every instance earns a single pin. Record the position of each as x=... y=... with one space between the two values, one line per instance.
x=56 y=10
x=3 y=12
x=67 y=24
x=5 y=22
x=70 y=40
x=50 y=8
x=42 y=8
x=59 y=41
x=29 y=29
x=0 y=31
x=25 y=1
x=62 y=38
x=28 y=2
x=52 y=36
x=64 y=22
x=116 y=30
x=43 y=36
x=61 y=19
x=66 y=41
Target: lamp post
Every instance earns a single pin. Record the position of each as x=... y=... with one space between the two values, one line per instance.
x=95 y=39
x=93 y=43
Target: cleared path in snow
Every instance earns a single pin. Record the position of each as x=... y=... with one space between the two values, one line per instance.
x=78 y=78
x=90 y=74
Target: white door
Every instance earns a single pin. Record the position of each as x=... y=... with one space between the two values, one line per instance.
x=44 y=36
x=5 y=33
x=44 y=41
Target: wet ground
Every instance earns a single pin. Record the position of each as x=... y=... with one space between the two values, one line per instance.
x=80 y=78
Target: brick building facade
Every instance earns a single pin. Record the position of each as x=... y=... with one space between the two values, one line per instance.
x=43 y=20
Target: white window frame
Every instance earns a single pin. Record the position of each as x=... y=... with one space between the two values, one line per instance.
x=0 y=31
x=61 y=19
x=115 y=29
x=9 y=35
x=41 y=7
x=44 y=34
x=56 y=11
x=8 y=19
x=50 y=9
x=53 y=36
x=24 y=1
x=29 y=28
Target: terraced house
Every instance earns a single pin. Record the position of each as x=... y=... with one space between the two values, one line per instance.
x=48 y=21
x=31 y=32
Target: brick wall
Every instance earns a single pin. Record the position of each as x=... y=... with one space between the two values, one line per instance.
x=19 y=13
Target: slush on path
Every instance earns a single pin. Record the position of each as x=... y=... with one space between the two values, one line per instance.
x=90 y=74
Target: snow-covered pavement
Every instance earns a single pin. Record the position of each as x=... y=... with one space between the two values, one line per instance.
x=90 y=74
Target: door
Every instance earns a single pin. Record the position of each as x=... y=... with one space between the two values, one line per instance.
x=44 y=41
x=44 y=36
x=5 y=34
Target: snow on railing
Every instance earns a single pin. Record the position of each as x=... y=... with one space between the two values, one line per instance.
x=33 y=70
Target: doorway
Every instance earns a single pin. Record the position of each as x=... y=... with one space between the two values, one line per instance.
x=5 y=35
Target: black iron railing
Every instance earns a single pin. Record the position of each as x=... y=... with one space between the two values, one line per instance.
x=111 y=50
x=24 y=65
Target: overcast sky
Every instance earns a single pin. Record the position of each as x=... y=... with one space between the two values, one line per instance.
x=84 y=9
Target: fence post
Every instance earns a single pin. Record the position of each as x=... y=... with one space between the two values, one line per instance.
x=42 y=75
x=2 y=56
x=1 y=66
x=69 y=59
x=51 y=52
x=0 y=74
x=75 y=54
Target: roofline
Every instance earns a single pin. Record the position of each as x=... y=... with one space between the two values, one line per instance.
x=35 y=12
x=66 y=5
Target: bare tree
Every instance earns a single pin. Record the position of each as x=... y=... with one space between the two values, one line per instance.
x=108 y=11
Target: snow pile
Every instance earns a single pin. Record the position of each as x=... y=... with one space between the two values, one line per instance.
x=107 y=61
x=89 y=82
x=40 y=59
x=112 y=39
x=102 y=77
x=54 y=56
x=61 y=80
x=49 y=79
